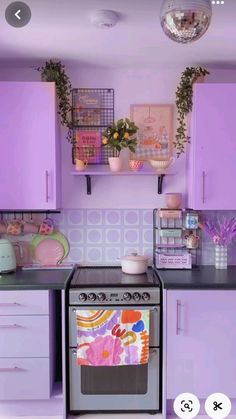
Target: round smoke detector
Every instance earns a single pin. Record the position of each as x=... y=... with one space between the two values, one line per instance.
x=104 y=18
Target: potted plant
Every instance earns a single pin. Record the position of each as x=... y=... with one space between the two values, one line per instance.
x=54 y=71
x=118 y=136
x=184 y=104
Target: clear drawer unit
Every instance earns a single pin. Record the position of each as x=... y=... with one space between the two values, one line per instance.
x=175 y=238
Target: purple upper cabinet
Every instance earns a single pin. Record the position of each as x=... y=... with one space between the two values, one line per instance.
x=29 y=146
x=201 y=342
x=212 y=168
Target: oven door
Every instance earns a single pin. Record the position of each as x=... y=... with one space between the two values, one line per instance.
x=122 y=388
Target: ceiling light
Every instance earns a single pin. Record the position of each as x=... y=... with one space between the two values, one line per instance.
x=104 y=18
x=185 y=21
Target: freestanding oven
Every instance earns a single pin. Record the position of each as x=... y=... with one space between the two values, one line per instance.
x=124 y=388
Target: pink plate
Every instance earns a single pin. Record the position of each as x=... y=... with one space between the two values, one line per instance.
x=49 y=252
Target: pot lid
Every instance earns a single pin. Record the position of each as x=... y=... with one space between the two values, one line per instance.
x=135 y=257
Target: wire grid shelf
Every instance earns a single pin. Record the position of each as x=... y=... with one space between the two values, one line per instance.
x=92 y=107
x=92 y=111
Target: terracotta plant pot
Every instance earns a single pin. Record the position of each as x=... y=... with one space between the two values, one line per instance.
x=115 y=164
x=173 y=200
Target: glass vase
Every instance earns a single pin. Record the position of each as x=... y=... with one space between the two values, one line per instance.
x=221 y=253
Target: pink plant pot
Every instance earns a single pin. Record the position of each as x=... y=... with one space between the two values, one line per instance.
x=115 y=164
x=135 y=165
x=173 y=200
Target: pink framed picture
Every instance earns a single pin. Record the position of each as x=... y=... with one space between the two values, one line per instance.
x=88 y=146
x=155 y=134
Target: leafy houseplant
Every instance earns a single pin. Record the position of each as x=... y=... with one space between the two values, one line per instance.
x=54 y=71
x=120 y=135
x=184 y=104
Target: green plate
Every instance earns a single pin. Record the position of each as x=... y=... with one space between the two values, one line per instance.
x=56 y=236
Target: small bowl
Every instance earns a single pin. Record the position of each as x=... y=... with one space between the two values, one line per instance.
x=136 y=165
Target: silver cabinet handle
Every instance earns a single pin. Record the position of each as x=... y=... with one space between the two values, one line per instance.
x=178 y=308
x=10 y=326
x=10 y=304
x=203 y=187
x=14 y=369
x=46 y=179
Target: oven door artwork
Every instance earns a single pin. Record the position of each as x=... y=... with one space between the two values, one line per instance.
x=115 y=388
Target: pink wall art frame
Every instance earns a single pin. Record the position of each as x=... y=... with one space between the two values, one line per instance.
x=155 y=134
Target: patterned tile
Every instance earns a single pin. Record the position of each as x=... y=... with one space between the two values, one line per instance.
x=75 y=217
x=75 y=235
x=131 y=217
x=112 y=217
x=94 y=217
x=94 y=236
x=112 y=236
x=94 y=255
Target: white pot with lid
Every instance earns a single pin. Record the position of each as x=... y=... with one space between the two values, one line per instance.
x=134 y=264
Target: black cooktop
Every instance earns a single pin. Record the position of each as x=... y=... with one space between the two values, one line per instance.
x=111 y=276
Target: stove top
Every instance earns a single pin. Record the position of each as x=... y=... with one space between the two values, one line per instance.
x=111 y=276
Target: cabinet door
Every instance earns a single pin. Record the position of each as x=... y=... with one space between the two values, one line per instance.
x=28 y=146
x=212 y=168
x=201 y=342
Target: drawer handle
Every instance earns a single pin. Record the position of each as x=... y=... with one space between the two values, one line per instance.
x=10 y=326
x=10 y=304
x=46 y=189
x=178 y=308
x=14 y=369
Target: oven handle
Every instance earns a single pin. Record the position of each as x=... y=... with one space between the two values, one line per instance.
x=131 y=307
x=152 y=351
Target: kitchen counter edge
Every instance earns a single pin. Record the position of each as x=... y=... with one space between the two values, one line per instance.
x=43 y=279
x=203 y=277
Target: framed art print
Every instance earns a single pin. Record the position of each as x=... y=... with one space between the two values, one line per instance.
x=155 y=134
x=88 y=146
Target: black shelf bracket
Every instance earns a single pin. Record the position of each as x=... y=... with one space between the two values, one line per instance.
x=88 y=183
x=160 y=180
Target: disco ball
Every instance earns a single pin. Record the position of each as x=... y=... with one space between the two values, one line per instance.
x=185 y=20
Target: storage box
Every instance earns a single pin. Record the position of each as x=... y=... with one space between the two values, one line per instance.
x=168 y=232
x=166 y=213
x=168 y=261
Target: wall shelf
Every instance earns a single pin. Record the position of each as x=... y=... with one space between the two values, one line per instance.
x=104 y=170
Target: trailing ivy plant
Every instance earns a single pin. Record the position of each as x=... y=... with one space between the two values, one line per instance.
x=54 y=71
x=184 y=104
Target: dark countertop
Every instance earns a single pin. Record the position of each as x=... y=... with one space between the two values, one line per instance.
x=35 y=280
x=200 y=278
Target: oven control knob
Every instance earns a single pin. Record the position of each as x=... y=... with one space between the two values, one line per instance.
x=146 y=296
x=101 y=296
x=92 y=296
x=82 y=297
x=127 y=296
x=136 y=296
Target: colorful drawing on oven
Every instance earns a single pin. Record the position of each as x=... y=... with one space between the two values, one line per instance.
x=112 y=337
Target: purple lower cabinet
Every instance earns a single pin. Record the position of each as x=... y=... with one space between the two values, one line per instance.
x=201 y=343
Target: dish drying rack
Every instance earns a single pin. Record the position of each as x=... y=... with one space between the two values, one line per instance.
x=169 y=244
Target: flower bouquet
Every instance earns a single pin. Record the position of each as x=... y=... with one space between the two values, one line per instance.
x=222 y=233
x=118 y=136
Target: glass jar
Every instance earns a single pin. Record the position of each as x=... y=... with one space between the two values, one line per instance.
x=221 y=253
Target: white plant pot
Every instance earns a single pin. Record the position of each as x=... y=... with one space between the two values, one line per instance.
x=115 y=164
